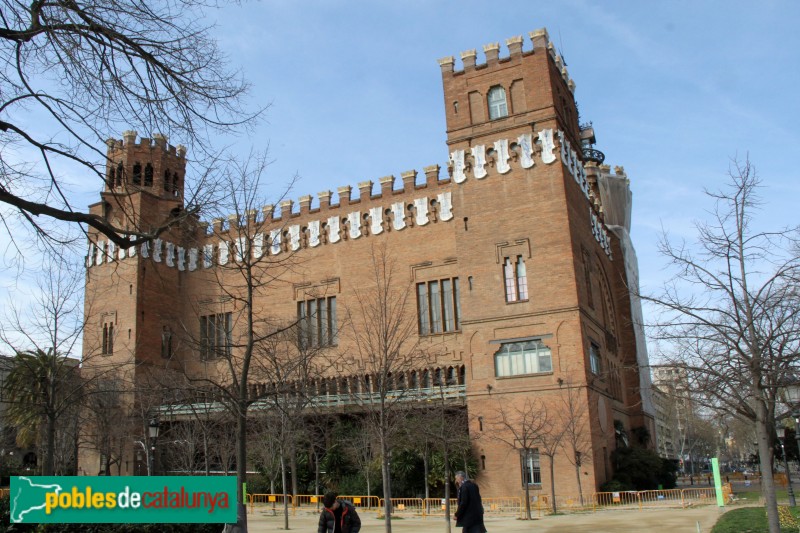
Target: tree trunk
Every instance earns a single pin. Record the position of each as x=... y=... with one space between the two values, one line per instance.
x=578 y=478
x=387 y=488
x=50 y=442
x=427 y=489
x=553 y=483
x=763 y=428
x=241 y=470
x=285 y=494
x=446 y=488
x=293 y=466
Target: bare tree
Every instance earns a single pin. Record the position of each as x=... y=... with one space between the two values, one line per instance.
x=576 y=441
x=242 y=347
x=88 y=68
x=521 y=428
x=360 y=449
x=381 y=330
x=731 y=312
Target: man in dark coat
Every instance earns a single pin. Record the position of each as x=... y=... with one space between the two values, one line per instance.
x=469 y=514
x=338 y=516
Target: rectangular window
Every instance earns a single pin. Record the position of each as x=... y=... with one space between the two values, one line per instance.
x=523 y=358
x=594 y=359
x=532 y=472
x=216 y=334
x=515 y=278
x=107 y=347
x=438 y=306
x=316 y=320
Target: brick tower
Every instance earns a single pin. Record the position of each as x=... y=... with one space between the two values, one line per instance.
x=534 y=206
x=127 y=289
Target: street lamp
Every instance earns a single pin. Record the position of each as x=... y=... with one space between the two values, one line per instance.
x=782 y=437
x=152 y=432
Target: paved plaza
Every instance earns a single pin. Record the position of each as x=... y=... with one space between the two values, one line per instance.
x=618 y=521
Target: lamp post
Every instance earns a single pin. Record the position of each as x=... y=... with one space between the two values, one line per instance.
x=782 y=437
x=152 y=433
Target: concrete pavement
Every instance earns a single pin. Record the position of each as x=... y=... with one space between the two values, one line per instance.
x=615 y=521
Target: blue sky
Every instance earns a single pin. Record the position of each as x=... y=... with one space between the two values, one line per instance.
x=674 y=89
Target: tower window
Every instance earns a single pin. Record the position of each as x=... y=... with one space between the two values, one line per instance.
x=111 y=177
x=167 y=181
x=118 y=178
x=148 y=175
x=516 y=279
x=137 y=174
x=108 y=339
x=594 y=359
x=498 y=108
x=175 y=184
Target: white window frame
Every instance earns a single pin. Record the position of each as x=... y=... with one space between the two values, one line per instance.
x=523 y=358
x=498 y=104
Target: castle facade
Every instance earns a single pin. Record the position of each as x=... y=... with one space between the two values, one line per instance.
x=518 y=255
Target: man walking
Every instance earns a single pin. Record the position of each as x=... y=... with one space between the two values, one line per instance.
x=338 y=516
x=469 y=514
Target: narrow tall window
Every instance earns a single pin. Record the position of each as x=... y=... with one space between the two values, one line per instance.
x=107 y=347
x=216 y=334
x=175 y=184
x=118 y=180
x=148 y=175
x=516 y=279
x=167 y=181
x=594 y=359
x=316 y=320
x=137 y=174
x=531 y=471
x=438 y=307
x=498 y=108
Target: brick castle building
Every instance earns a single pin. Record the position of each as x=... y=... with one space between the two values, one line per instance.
x=518 y=255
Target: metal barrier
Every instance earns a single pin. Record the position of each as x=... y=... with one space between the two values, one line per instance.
x=629 y=499
x=273 y=500
x=402 y=505
x=366 y=502
x=661 y=498
x=503 y=506
x=435 y=506
x=5 y=493
x=307 y=500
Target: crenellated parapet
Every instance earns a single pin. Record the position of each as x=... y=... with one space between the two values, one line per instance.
x=151 y=165
x=266 y=233
x=540 y=44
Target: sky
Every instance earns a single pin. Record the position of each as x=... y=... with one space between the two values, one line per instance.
x=675 y=90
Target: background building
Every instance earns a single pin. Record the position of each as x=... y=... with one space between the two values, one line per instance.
x=518 y=258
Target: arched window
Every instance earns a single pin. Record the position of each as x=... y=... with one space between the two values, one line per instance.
x=414 y=380
x=522 y=358
x=175 y=184
x=148 y=175
x=498 y=108
x=137 y=174
x=111 y=177
x=167 y=181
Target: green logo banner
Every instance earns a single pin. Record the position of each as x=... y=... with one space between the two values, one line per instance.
x=108 y=499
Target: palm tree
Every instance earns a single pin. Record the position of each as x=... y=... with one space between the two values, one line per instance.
x=40 y=389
